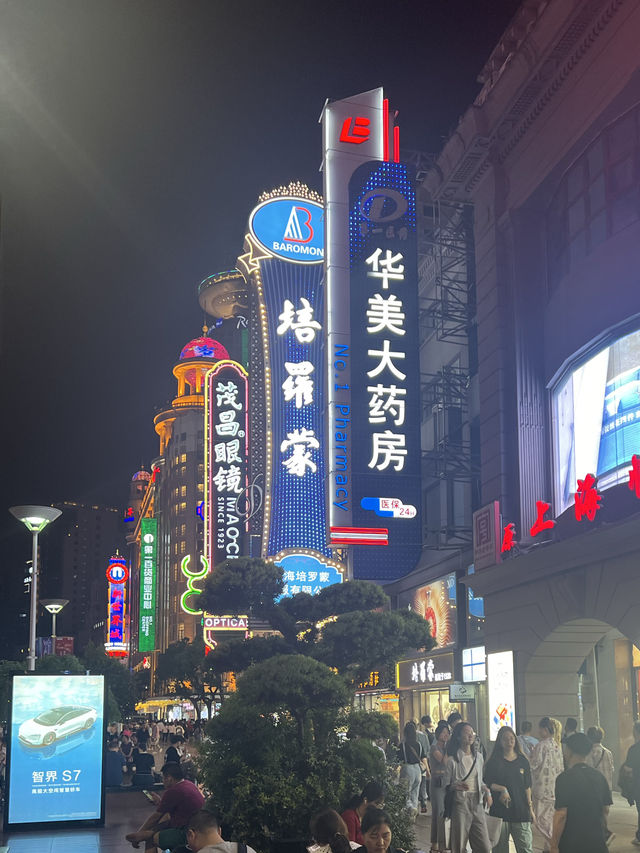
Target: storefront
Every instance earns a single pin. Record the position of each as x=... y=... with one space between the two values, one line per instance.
x=423 y=684
x=377 y=693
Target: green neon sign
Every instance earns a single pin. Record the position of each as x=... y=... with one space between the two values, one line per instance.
x=148 y=572
x=191 y=577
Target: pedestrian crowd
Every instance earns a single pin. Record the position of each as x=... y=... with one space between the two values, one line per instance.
x=560 y=784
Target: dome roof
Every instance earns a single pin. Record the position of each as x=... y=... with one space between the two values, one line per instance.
x=141 y=475
x=204 y=348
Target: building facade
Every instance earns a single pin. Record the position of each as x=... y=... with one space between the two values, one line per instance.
x=76 y=553
x=549 y=157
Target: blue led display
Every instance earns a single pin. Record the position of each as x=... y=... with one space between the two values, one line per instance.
x=385 y=367
x=304 y=573
x=294 y=299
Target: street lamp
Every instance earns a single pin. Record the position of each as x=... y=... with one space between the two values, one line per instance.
x=35 y=518
x=53 y=606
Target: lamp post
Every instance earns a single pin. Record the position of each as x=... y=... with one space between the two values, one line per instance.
x=35 y=519
x=53 y=606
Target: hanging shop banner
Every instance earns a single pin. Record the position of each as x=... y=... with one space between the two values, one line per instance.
x=226 y=462
x=56 y=746
x=283 y=261
x=384 y=410
x=148 y=580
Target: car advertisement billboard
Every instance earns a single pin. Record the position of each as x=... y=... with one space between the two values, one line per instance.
x=596 y=419
x=56 y=736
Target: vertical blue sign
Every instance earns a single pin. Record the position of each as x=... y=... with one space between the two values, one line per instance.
x=385 y=368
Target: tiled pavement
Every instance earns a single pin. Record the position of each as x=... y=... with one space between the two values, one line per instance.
x=127 y=810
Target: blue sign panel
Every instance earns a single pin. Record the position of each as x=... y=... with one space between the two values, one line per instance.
x=303 y=573
x=56 y=750
x=385 y=368
x=290 y=228
x=294 y=301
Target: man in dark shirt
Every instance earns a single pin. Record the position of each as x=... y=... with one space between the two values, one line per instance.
x=631 y=776
x=582 y=803
x=166 y=827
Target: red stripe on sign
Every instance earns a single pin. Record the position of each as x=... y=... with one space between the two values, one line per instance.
x=370 y=530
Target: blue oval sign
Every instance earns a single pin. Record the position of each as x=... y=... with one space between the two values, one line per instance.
x=290 y=228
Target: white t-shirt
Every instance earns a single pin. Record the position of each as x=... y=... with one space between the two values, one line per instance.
x=472 y=781
x=224 y=847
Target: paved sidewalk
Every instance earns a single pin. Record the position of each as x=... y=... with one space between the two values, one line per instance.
x=124 y=812
x=622 y=820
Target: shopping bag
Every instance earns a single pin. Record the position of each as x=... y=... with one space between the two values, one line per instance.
x=494 y=828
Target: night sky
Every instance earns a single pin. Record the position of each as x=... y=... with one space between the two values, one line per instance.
x=135 y=137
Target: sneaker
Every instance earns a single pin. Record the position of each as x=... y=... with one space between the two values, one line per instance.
x=609 y=838
x=423 y=809
x=636 y=841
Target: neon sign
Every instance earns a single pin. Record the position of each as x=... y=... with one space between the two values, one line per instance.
x=117 y=575
x=192 y=590
x=226 y=460
x=291 y=311
x=148 y=569
x=384 y=410
x=306 y=573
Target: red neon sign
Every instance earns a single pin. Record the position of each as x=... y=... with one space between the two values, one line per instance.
x=355 y=130
x=508 y=540
x=540 y=523
x=634 y=475
x=587 y=498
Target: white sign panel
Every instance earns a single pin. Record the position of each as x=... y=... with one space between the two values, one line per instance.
x=501 y=692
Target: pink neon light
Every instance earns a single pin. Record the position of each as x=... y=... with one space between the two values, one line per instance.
x=396 y=144
x=385 y=130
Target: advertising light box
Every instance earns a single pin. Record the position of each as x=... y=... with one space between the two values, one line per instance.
x=596 y=419
x=501 y=692
x=56 y=737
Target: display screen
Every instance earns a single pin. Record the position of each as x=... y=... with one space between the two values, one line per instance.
x=436 y=602
x=596 y=419
x=56 y=749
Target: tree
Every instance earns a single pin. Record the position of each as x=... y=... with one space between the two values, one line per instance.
x=188 y=674
x=287 y=742
x=345 y=626
x=120 y=679
x=8 y=668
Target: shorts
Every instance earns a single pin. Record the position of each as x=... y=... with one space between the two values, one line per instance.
x=170 y=838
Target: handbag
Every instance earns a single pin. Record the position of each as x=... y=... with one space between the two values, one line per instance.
x=494 y=828
x=449 y=794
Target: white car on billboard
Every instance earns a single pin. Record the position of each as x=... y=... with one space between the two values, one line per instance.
x=55 y=724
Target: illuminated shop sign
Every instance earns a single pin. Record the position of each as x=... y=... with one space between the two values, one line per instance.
x=290 y=228
x=226 y=462
x=343 y=122
x=385 y=403
x=501 y=692
x=291 y=314
x=212 y=625
x=306 y=573
x=117 y=576
x=56 y=751
x=433 y=672
x=148 y=571
x=194 y=577
x=474 y=664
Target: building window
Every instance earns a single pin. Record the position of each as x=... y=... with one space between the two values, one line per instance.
x=597 y=197
x=183 y=547
x=183 y=530
x=183 y=457
x=200 y=488
x=183 y=491
x=182 y=506
x=181 y=630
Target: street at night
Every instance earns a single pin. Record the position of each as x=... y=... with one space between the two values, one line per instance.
x=320 y=352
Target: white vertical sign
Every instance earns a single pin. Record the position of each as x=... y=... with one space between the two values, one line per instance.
x=502 y=699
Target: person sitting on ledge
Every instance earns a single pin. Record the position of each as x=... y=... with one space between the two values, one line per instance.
x=166 y=826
